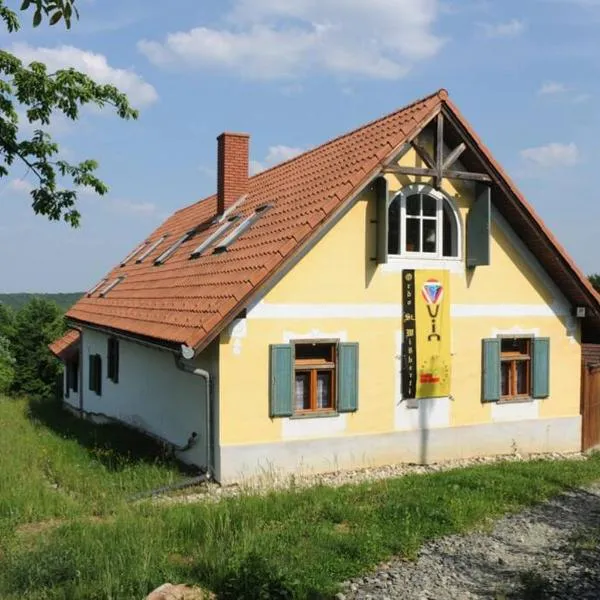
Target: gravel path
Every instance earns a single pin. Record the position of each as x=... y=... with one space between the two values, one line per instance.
x=551 y=551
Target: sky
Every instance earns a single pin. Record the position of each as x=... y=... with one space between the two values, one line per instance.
x=293 y=74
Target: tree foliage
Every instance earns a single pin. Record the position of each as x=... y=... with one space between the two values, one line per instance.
x=7 y=320
x=7 y=365
x=37 y=324
x=7 y=360
x=39 y=95
x=595 y=281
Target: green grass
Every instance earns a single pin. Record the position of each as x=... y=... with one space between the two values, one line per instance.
x=287 y=544
x=55 y=466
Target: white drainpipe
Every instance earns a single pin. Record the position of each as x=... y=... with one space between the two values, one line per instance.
x=187 y=353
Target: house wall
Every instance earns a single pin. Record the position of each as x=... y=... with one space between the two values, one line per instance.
x=338 y=291
x=152 y=394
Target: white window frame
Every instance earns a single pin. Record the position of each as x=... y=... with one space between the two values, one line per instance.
x=440 y=197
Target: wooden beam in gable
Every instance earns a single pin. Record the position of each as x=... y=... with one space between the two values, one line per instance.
x=417 y=171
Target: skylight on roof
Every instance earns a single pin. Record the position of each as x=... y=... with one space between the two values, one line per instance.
x=241 y=228
x=134 y=253
x=150 y=249
x=214 y=236
x=97 y=286
x=169 y=251
x=110 y=286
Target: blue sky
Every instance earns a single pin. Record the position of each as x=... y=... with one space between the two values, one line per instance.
x=294 y=73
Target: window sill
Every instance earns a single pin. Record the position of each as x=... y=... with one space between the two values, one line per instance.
x=518 y=400
x=398 y=262
x=316 y=415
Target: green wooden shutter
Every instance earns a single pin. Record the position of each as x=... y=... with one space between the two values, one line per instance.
x=91 y=372
x=491 y=370
x=113 y=359
x=75 y=376
x=98 y=375
x=68 y=379
x=381 y=192
x=116 y=352
x=541 y=367
x=478 y=227
x=281 y=367
x=109 y=358
x=347 y=400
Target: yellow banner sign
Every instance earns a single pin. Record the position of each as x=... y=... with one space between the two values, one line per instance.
x=426 y=326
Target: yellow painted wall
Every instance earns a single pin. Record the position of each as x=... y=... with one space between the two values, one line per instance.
x=340 y=270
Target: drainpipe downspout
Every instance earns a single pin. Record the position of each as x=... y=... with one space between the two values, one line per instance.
x=182 y=364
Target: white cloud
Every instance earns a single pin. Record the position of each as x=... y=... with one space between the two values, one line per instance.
x=126 y=207
x=552 y=155
x=96 y=66
x=16 y=187
x=510 y=29
x=552 y=87
x=19 y=186
x=268 y=39
x=275 y=155
x=580 y=98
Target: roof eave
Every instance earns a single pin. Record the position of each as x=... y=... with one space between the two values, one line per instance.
x=169 y=345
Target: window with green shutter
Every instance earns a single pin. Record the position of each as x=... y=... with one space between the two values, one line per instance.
x=313 y=377
x=112 y=358
x=95 y=373
x=516 y=368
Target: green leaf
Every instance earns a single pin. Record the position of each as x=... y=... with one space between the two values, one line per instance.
x=56 y=17
x=25 y=4
x=37 y=18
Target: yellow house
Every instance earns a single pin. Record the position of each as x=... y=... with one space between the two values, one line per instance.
x=388 y=296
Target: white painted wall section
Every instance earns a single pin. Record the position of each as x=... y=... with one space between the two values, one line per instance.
x=152 y=394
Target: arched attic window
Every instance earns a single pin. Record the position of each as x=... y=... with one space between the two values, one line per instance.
x=424 y=223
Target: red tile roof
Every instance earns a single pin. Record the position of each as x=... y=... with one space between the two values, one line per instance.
x=189 y=302
x=66 y=343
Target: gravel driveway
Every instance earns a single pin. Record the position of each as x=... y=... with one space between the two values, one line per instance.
x=551 y=551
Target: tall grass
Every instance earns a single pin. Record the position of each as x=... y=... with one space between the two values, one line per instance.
x=55 y=466
x=286 y=544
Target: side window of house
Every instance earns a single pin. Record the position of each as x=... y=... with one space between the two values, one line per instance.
x=516 y=368
x=313 y=378
x=113 y=359
x=72 y=377
x=95 y=373
x=422 y=224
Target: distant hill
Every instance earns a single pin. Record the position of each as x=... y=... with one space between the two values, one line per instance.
x=17 y=301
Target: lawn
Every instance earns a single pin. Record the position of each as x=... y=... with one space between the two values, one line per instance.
x=68 y=531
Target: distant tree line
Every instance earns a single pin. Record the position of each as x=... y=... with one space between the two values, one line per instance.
x=26 y=364
x=595 y=281
x=19 y=300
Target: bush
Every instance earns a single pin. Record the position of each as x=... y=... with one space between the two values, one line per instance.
x=36 y=325
x=7 y=365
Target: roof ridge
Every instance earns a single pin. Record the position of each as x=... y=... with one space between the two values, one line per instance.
x=442 y=93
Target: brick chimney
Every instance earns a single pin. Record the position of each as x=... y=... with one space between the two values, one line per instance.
x=232 y=168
